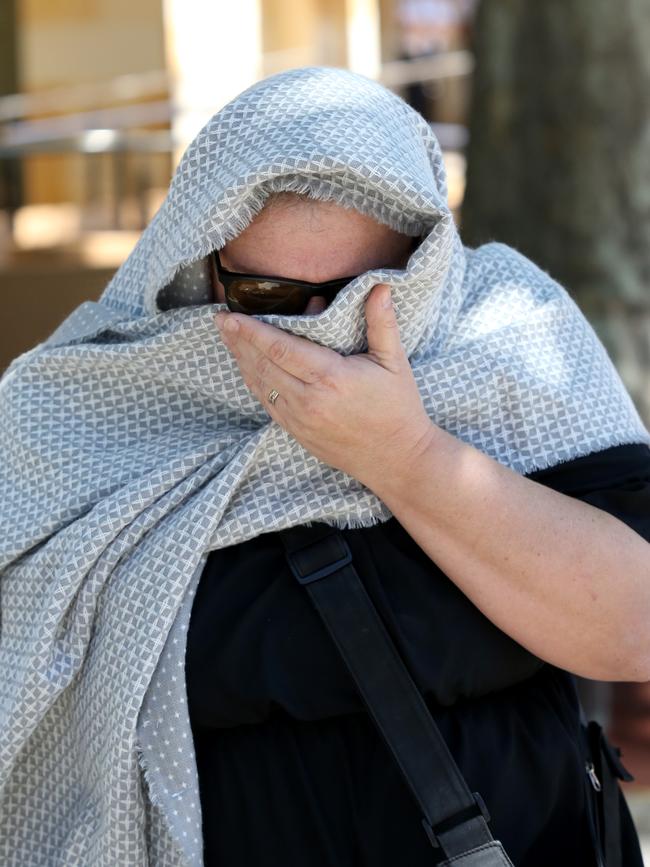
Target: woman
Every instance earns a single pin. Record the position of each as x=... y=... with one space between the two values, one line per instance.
x=168 y=694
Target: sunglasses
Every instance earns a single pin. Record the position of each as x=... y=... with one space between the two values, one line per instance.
x=254 y=293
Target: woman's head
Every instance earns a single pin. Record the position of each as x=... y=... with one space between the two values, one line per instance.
x=300 y=238
x=312 y=173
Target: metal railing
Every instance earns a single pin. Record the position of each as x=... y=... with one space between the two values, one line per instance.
x=84 y=119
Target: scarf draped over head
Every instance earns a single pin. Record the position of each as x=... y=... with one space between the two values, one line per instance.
x=130 y=448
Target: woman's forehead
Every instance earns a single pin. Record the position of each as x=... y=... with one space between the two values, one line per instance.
x=315 y=238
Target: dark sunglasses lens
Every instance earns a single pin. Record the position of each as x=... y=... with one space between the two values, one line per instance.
x=246 y=296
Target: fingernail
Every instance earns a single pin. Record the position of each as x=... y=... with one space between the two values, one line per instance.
x=388 y=301
x=231 y=325
x=218 y=320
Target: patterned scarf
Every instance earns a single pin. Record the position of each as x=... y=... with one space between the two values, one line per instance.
x=130 y=448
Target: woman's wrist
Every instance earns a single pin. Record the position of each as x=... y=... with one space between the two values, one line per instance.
x=421 y=454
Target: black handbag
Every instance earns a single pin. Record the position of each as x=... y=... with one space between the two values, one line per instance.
x=454 y=819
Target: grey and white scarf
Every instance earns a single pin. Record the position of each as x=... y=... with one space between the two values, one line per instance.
x=130 y=448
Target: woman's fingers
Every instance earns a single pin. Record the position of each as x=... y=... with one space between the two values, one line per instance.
x=301 y=358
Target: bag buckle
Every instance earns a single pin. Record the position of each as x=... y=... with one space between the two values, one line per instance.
x=314 y=560
x=458 y=818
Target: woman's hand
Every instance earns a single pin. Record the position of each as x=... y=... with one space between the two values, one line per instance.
x=361 y=413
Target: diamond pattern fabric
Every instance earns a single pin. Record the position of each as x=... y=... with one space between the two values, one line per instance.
x=130 y=448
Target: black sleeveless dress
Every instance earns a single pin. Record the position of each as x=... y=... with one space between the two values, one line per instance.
x=292 y=771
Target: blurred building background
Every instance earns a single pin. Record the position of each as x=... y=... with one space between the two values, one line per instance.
x=543 y=112
x=98 y=99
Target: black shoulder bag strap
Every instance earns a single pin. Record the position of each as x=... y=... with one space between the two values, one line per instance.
x=455 y=819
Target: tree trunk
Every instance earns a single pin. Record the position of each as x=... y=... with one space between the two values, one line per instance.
x=559 y=167
x=559 y=157
x=10 y=169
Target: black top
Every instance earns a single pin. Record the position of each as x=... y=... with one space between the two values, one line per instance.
x=291 y=768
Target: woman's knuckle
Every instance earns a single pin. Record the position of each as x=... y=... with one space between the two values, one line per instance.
x=278 y=350
x=328 y=380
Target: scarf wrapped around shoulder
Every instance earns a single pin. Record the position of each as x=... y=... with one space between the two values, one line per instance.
x=130 y=447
